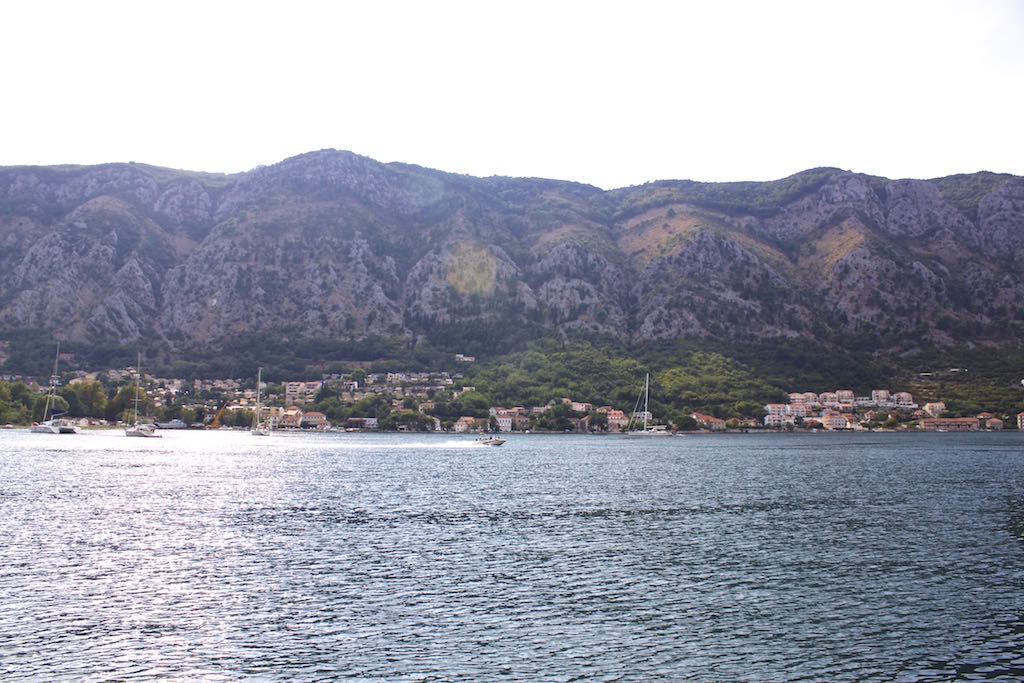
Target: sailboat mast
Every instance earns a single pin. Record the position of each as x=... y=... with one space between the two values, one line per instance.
x=647 y=386
x=259 y=379
x=138 y=369
x=51 y=399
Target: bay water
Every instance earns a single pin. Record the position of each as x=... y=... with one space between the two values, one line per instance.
x=218 y=555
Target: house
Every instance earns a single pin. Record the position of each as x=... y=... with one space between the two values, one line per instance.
x=300 y=392
x=617 y=419
x=949 y=424
x=510 y=418
x=777 y=420
x=579 y=407
x=643 y=417
x=831 y=419
x=935 y=408
x=1020 y=421
x=989 y=421
x=798 y=410
x=580 y=424
x=465 y=424
x=291 y=418
x=788 y=409
x=505 y=420
x=711 y=422
x=880 y=397
x=315 y=420
x=904 y=399
x=809 y=398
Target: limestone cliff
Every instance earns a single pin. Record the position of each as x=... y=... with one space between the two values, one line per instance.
x=330 y=244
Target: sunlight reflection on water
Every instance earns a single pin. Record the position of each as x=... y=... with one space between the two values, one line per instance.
x=410 y=557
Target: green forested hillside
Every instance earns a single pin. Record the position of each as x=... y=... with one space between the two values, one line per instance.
x=729 y=382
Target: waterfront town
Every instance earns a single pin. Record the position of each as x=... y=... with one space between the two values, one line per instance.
x=424 y=401
x=843 y=410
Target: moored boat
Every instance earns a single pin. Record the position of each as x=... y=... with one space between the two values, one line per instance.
x=53 y=424
x=143 y=430
x=176 y=423
x=259 y=428
x=643 y=428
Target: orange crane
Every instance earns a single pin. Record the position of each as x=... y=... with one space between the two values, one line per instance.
x=215 y=422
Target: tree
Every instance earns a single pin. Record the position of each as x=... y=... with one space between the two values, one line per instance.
x=472 y=404
x=74 y=408
x=57 y=405
x=748 y=408
x=93 y=398
x=378 y=406
x=407 y=419
x=238 y=418
x=332 y=408
x=85 y=399
x=686 y=423
x=122 y=406
x=13 y=409
x=556 y=418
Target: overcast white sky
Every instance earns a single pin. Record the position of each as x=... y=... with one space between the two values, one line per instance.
x=611 y=94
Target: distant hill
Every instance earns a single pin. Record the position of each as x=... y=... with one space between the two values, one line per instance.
x=333 y=245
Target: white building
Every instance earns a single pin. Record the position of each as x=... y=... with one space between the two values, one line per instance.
x=904 y=399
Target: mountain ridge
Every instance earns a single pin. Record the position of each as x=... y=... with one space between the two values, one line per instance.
x=336 y=245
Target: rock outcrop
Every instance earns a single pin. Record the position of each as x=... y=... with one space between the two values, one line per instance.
x=330 y=244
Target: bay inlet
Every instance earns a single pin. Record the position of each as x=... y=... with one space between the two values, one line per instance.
x=219 y=556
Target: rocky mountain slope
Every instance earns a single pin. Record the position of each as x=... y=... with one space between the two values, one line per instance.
x=330 y=244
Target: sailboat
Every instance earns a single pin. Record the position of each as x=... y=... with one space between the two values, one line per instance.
x=258 y=428
x=146 y=430
x=52 y=425
x=646 y=429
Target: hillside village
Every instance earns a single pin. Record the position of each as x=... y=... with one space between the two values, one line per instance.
x=844 y=410
x=423 y=401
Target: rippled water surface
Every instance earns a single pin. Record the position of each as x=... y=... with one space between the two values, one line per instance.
x=218 y=555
